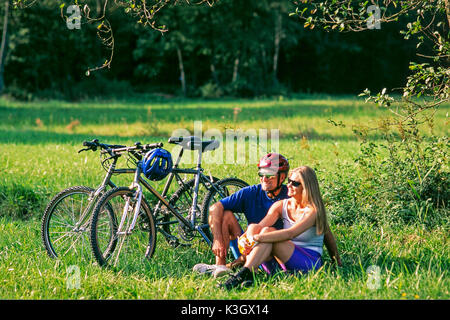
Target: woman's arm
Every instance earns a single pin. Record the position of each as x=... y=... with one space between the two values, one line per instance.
x=330 y=244
x=287 y=234
x=269 y=220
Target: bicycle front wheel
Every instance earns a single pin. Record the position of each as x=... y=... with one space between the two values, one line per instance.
x=122 y=248
x=65 y=223
x=223 y=188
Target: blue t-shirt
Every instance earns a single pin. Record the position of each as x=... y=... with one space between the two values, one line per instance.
x=254 y=202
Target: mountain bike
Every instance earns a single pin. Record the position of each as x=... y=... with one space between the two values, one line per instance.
x=65 y=222
x=130 y=236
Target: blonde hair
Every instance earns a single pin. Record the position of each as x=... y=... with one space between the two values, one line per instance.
x=311 y=195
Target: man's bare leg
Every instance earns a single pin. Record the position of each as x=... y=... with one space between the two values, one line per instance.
x=230 y=230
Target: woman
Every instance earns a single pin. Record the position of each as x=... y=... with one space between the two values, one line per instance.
x=298 y=246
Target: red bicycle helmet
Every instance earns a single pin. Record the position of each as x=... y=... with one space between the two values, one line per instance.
x=273 y=163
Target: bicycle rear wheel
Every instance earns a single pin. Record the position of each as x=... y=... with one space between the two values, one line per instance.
x=181 y=200
x=224 y=188
x=119 y=248
x=65 y=223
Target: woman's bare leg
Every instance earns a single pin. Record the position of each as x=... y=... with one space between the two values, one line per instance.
x=261 y=252
x=283 y=250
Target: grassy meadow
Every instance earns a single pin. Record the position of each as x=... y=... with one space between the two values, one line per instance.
x=38 y=157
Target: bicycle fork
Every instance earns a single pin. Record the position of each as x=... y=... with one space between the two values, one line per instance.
x=136 y=199
x=124 y=228
x=83 y=224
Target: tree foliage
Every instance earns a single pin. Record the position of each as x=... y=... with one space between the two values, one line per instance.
x=258 y=47
x=240 y=48
x=407 y=173
x=429 y=24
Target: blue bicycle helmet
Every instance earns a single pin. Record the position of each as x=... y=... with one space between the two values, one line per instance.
x=157 y=164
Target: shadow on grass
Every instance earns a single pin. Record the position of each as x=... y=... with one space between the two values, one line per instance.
x=169 y=262
x=172 y=113
x=35 y=137
x=20 y=202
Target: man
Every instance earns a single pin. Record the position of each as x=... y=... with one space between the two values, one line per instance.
x=254 y=201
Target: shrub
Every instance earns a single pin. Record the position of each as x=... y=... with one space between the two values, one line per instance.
x=401 y=179
x=409 y=176
x=210 y=90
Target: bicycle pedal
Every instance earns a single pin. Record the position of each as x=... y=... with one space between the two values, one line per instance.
x=174 y=243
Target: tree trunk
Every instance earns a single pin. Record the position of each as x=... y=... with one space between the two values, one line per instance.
x=214 y=76
x=277 y=41
x=182 y=75
x=264 y=59
x=235 y=69
x=4 y=46
x=447 y=10
x=99 y=8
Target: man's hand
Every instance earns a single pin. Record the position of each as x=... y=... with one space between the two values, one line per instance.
x=219 y=249
x=215 y=223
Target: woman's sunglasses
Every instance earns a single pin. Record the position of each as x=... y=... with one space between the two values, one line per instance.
x=294 y=183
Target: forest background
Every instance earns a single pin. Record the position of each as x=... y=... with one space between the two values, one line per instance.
x=234 y=48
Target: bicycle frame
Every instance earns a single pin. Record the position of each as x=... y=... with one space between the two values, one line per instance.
x=162 y=200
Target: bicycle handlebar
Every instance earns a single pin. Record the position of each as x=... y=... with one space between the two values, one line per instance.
x=110 y=148
x=137 y=147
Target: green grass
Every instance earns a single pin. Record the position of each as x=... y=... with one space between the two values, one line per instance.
x=413 y=264
x=39 y=143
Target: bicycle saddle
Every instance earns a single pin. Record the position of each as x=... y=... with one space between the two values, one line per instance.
x=195 y=143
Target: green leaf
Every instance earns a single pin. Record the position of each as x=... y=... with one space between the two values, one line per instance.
x=410 y=182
